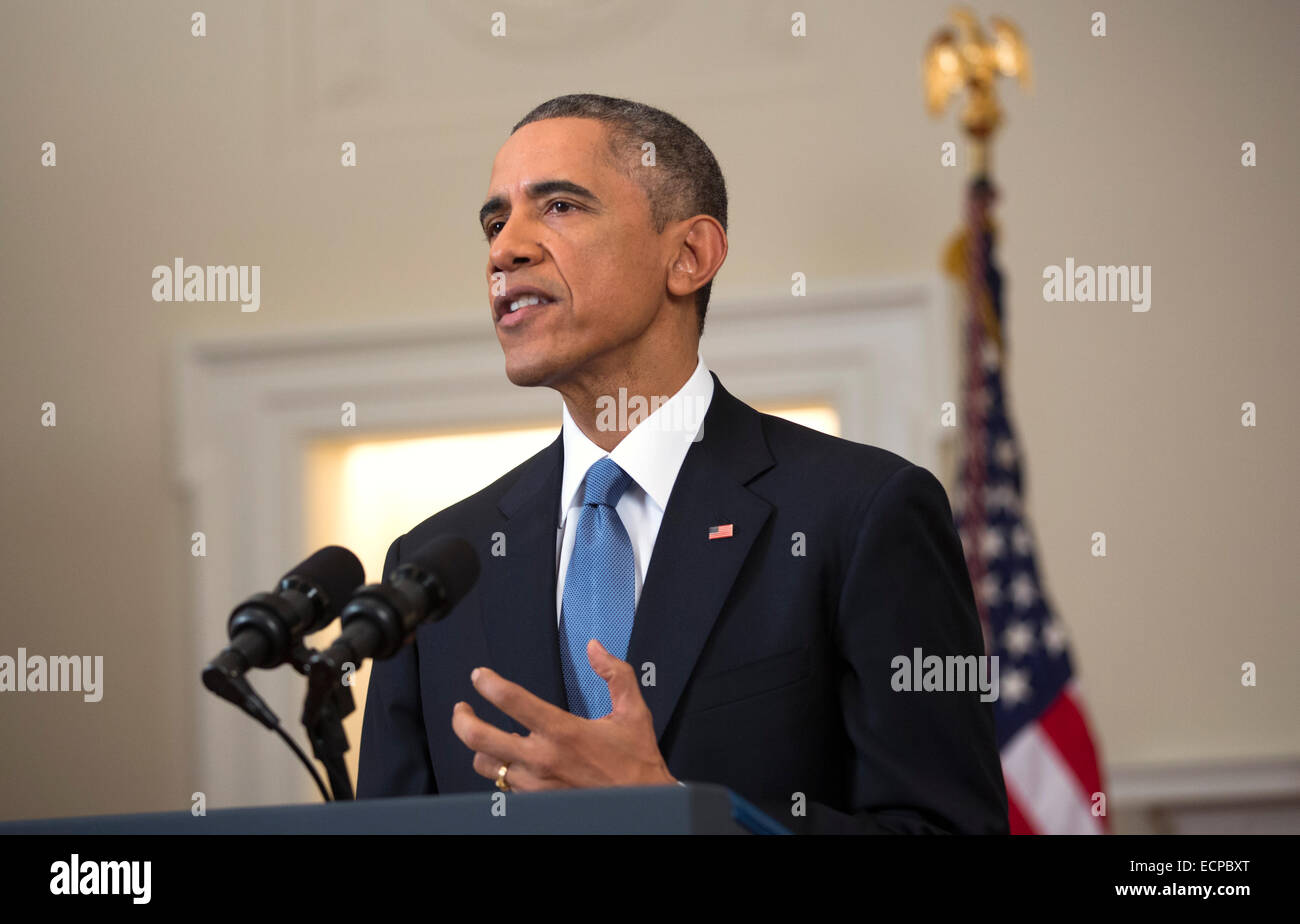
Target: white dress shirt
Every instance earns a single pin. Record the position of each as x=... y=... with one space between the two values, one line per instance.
x=652 y=453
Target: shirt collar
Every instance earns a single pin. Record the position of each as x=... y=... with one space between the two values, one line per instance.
x=652 y=452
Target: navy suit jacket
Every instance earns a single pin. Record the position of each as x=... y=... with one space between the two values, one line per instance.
x=772 y=669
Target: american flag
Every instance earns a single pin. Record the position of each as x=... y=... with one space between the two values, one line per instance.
x=1048 y=759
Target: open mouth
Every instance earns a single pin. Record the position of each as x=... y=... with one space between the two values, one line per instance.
x=515 y=305
x=526 y=302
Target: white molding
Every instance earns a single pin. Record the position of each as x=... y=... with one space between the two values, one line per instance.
x=245 y=407
x=1204 y=782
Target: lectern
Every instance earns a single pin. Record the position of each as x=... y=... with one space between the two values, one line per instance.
x=701 y=808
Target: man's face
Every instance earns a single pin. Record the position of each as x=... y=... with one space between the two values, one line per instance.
x=563 y=221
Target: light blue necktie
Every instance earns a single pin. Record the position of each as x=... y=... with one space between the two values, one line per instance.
x=599 y=590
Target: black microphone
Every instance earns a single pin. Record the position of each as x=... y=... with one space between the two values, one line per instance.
x=381 y=618
x=265 y=628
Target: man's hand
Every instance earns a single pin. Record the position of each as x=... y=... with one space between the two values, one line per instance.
x=564 y=750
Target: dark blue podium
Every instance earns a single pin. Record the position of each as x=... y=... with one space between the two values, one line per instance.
x=702 y=808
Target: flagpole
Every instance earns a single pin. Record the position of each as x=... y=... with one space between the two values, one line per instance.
x=1052 y=774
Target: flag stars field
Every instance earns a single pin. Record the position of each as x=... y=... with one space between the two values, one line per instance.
x=1018 y=638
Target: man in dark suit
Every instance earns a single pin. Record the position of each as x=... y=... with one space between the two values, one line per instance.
x=662 y=601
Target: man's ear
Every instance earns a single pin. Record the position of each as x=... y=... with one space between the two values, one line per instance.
x=699 y=257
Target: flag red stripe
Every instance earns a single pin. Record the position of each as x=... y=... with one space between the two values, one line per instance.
x=1017 y=818
x=1065 y=725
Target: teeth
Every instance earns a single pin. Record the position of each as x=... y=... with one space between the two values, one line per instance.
x=524 y=302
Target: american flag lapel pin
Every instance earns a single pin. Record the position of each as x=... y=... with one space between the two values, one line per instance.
x=720 y=532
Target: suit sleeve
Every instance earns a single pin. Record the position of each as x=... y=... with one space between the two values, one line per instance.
x=394 y=746
x=923 y=762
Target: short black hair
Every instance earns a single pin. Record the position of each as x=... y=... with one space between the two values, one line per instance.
x=687 y=180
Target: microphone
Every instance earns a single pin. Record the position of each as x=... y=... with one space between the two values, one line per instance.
x=377 y=622
x=381 y=618
x=265 y=628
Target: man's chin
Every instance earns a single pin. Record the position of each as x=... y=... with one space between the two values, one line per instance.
x=528 y=372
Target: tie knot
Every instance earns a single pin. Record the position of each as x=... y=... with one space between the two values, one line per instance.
x=606 y=483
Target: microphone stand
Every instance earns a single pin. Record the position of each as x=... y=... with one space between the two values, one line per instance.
x=328 y=702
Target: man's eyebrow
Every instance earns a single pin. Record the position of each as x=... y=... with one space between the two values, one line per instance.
x=536 y=191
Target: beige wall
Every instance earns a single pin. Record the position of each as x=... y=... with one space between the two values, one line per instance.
x=225 y=150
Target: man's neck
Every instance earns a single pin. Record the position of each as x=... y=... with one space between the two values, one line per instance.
x=590 y=402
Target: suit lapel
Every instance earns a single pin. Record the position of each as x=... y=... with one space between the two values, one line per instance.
x=690 y=574
x=519 y=591
x=688 y=582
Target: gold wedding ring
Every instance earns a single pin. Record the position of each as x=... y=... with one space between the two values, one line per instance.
x=501 y=778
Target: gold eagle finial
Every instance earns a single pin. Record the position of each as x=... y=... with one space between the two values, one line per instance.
x=967 y=58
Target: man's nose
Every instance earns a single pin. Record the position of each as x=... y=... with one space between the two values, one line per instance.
x=515 y=244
